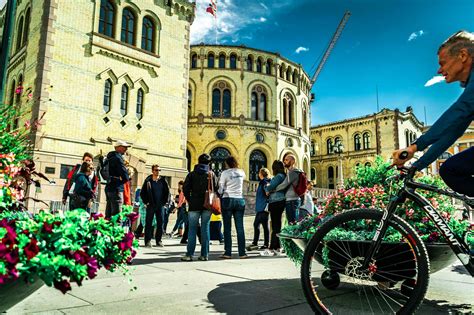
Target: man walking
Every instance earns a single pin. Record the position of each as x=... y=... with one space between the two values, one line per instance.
x=118 y=175
x=154 y=194
x=293 y=201
x=68 y=189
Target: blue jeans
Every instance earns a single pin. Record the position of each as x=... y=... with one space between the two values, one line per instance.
x=233 y=207
x=457 y=172
x=193 y=217
x=291 y=209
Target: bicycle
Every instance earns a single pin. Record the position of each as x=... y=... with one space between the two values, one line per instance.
x=375 y=259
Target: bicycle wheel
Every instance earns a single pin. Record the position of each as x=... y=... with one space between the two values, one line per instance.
x=334 y=282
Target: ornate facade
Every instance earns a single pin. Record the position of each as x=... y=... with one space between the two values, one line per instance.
x=103 y=70
x=363 y=138
x=249 y=103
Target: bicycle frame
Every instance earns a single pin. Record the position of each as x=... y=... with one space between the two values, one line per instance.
x=459 y=247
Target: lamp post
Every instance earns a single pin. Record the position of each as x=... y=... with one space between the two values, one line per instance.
x=338 y=149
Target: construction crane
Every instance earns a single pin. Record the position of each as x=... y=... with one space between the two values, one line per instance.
x=334 y=39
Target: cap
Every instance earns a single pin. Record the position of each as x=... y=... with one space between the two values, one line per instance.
x=121 y=143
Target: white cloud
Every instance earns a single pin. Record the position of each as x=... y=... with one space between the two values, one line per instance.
x=414 y=35
x=434 y=80
x=301 y=49
x=232 y=17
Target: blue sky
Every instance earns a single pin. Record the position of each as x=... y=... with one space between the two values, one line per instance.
x=391 y=44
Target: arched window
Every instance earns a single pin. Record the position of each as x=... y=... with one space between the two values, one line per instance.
x=148 y=34
x=331 y=177
x=26 y=29
x=313 y=174
x=282 y=72
x=188 y=158
x=329 y=146
x=259 y=65
x=250 y=63
x=407 y=138
x=357 y=143
x=305 y=120
x=366 y=140
x=288 y=74
x=12 y=94
x=194 y=60
x=19 y=34
x=288 y=110
x=222 y=61
x=367 y=164
x=190 y=101
x=257 y=161
x=294 y=79
x=107 y=18
x=139 y=110
x=259 y=103
x=124 y=100
x=128 y=27
x=210 y=60
x=269 y=66
x=221 y=100
x=107 y=95
x=313 y=148
x=218 y=156
x=233 y=61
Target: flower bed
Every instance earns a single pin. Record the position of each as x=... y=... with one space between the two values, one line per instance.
x=376 y=196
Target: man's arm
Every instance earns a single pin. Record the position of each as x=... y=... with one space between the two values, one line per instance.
x=187 y=187
x=289 y=180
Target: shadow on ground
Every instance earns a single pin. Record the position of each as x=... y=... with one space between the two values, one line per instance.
x=285 y=296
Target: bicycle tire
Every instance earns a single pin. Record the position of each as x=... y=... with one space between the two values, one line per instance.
x=413 y=277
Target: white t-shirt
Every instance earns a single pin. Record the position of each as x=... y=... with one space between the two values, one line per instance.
x=308 y=204
x=231 y=183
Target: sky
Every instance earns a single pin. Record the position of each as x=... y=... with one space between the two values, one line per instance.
x=388 y=45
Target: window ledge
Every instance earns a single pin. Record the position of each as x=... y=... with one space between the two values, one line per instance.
x=104 y=45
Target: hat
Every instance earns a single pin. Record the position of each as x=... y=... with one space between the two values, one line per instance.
x=121 y=143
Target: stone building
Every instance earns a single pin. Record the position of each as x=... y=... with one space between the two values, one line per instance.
x=249 y=103
x=103 y=70
x=363 y=138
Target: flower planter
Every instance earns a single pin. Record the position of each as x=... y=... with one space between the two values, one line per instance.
x=14 y=292
x=440 y=254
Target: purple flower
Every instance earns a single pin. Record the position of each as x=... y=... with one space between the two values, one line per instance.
x=31 y=250
x=127 y=241
x=62 y=286
x=92 y=267
x=81 y=257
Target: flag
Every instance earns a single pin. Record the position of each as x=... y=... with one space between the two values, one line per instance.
x=212 y=8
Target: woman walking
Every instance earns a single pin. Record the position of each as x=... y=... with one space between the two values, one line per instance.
x=83 y=193
x=276 y=206
x=233 y=205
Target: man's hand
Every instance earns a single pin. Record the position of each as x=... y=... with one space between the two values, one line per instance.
x=64 y=201
x=396 y=160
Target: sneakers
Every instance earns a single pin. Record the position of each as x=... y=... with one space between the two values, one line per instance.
x=187 y=258
x=160 y=244
x=244 y=256
x=202 y=258
x=268 y=253
x=148 y=245
x=225 y=257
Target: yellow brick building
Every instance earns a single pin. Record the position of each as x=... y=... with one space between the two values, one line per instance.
x=103 y=70
x=363 y=138
x=249 y=103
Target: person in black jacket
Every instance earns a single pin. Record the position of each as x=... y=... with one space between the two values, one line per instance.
x=194 y=189
x=83 y=192
x=118 y=176
x=154 y=194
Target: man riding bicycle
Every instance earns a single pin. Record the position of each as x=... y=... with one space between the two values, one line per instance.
x=456 y=59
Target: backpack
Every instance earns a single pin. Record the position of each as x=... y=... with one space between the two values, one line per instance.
x=301 y=187
x=104 y=170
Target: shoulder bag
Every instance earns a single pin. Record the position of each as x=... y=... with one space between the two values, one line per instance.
x=211 y=200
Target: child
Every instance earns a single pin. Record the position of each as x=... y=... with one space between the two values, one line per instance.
x=261 y=211
x=215 y=228
x=307 y=205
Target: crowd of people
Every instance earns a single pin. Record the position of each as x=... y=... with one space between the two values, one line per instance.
x=278 y=192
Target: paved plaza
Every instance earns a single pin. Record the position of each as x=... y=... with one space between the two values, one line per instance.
x=258 y=285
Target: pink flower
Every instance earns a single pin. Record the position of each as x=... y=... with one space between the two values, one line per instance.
x=19 y=90
x=81 y=257
x=127 y=241
x=62 y=286
x=27 y=124
x=92 y=267
x=31 y=250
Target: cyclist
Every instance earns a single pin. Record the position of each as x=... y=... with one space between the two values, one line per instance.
x=456 y=59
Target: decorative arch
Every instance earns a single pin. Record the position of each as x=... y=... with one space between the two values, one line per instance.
x=259 y=103
x=366 y=140
x=108 y=73
x=288 y=74
x=357 y=142
x=222 y=58
x=218 y=156
x=127 y=79
x=211 y=59
x=194 y=60
x=19 y=32
x=288 y=109
x=257 y=160
x=233 y=61
x=269 y=66
x=221 y=100
x=233 y=88
x=250 y=61
x=265 y=148
x=222 y=143
x=129 y=21
x=259 y=65
x=26 y=27
x=107 y=17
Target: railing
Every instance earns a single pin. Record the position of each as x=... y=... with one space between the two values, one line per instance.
x=57 y=206
x=322 y=193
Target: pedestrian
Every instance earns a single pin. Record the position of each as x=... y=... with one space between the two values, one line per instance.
x=180 y=214
x=168 y=209
x=68 y=189
x=215 y=228
x=118 y=176
x=276 y=206
x=231 y=184
x=307 y=205
x=140 y=208
x=293 y=201
x=194 y=189
x=83 y=193
x=154 y=194
x=261 y=211
x=127 y=194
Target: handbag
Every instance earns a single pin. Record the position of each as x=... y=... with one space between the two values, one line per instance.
x=211 y=200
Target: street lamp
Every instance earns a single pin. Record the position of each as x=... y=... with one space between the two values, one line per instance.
x=338 y=148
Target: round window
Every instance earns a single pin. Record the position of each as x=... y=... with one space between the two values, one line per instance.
x=221 y=135
x=289 y=142
x=260 y=138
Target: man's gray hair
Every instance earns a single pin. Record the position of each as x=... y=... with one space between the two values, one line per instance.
x=457 y=41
